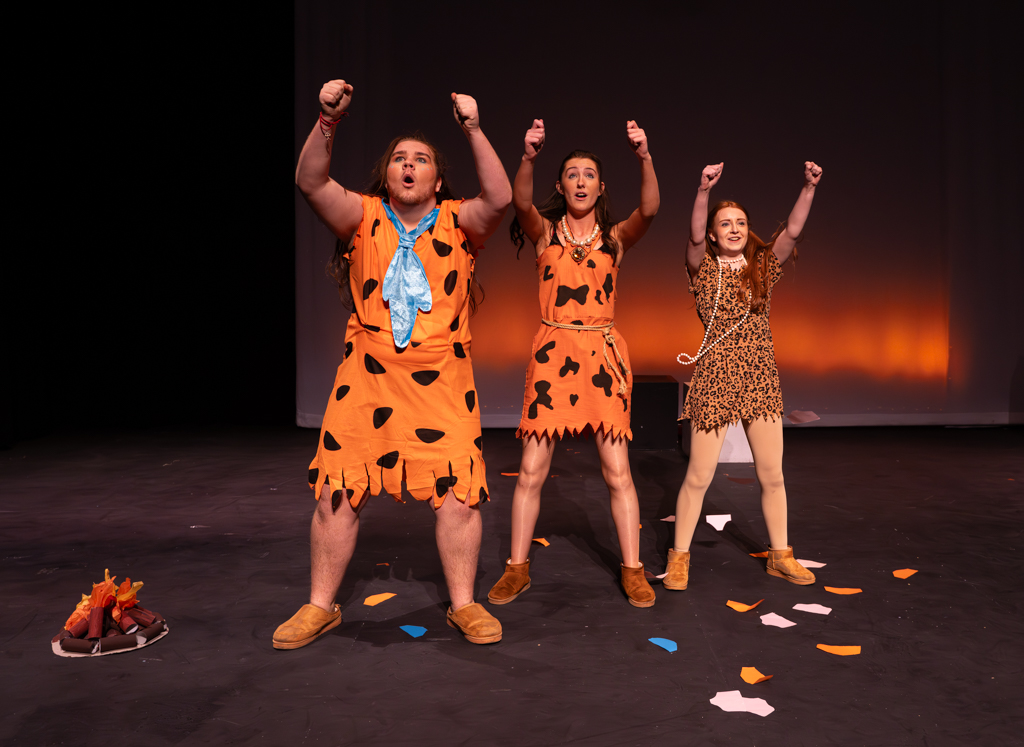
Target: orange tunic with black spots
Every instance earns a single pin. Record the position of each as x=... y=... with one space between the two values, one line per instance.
x=569 y=388
x=405 y=414
x=737 y=379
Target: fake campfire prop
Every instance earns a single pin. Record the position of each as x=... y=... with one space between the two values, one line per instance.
x=109 y=621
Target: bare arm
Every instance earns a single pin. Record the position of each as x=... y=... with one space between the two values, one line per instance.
x=786 y=240
x=338 y=208
x=480 y=216
x=695 y=245
x=522 y=191
x=631 y=230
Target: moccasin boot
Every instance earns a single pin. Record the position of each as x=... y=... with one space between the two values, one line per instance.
x=476 y=623
x=677 y=575
x=781 y=563
x=306 y=625
x=637 y=589
x=513 y=582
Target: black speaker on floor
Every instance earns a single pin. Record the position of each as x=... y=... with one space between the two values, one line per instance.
x=653 y=420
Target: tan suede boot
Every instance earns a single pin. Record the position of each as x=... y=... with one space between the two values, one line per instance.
x=513 y=582
x=305 y=626
x=677 y=575
x=476 y=623
x=781 y=563
x=637 y=589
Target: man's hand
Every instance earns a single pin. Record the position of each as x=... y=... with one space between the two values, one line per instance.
x=534 y=139
x=466 y=113
x=335 y=97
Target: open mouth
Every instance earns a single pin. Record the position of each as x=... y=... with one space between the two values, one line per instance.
x=408 y=180
x=581 y=195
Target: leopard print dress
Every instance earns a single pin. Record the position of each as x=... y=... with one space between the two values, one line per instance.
x=737 y=379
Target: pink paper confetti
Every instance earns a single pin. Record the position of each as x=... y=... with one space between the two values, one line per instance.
x=802 y=416
x=777 y=620
x=810 y=563
x=817 y=609
x=669 y=518
x=718 y=521
x=734 y=702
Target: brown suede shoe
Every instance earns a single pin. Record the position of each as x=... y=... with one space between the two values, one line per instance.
x=305 y=626
x=677 y=575
x=781 y=563
x=637 y=589
x=476 y=623
x=513 y=582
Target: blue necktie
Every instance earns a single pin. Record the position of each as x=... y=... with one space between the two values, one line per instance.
x=406 y=288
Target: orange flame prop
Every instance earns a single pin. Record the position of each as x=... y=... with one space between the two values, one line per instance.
x=106 y=594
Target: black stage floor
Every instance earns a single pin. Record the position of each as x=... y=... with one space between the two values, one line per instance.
x=215 y=522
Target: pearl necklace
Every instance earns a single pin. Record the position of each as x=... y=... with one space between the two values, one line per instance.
x=702 y=351
x=580 y=249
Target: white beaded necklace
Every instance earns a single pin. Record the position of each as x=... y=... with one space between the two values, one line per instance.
x=578 y=252
x=702 y=351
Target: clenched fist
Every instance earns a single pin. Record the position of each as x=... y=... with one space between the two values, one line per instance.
x=710 y=175
x=534 y=139
x=812 y=173
x=335 y=97
x=466 y=113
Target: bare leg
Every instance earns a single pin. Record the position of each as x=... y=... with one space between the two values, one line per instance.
x=458 y=529
x=705 y=448
x=533 y=471
x=765 y=438
x=332 y=540
x=625 y=507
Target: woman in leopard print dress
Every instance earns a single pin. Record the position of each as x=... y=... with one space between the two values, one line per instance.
x=731 y=274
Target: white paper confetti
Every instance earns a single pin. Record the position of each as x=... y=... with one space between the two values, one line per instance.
x=718 y=521
x=817 y=609
x=733 y=701
x=777 y=620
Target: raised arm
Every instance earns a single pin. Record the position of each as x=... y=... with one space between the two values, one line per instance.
x=784 y=243
x=479 y=217
x=338 y=208
x=522 y=190
x=631 y=230
x=695 y=248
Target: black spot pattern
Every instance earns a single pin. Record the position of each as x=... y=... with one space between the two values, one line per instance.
x=542 y=353
x=570 y=365
x=460 y=352
x=597 y=297
x=425 y=378
x=455 y=221
x=603 y=380
x=591 y=264
x=371 y=328
x=471 y=399
x=429 y=435
x=348 y=349
x=381 y=415
x=566 y=294
x=389 y=460
x=609 y=286
x=416 y=344
x=483 y=494
x=577 y=322
x=442 y=249
x=449 y=282
x=338 y=495
x=444 y=484
x=330 y=442
x=342 y=391
x=543 y=398
x=465 y=247
x=573 y=399
x=368 y=287
x=372 y=364
x=625 y=405
x=430 y=230
x=478 y=442
x=454 y=325
x=373 y=228
x=547 y=273
x=313 y=474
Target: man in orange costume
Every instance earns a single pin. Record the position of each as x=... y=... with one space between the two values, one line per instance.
x=404 y=405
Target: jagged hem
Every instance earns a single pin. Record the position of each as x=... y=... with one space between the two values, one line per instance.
x=707 y=424
x=467 y=482
x=614 y=431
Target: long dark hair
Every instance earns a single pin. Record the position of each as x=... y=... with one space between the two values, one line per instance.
x=553 y=208
x=755 y=274
x=338 y=266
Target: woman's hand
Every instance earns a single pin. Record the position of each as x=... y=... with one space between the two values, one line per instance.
x=812 y=173
x=335 y=97
x=710 y=175
x=637 y=139
x=534 y=139
x=466 y=113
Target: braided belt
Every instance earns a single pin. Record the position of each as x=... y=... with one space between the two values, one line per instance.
x=609 y=339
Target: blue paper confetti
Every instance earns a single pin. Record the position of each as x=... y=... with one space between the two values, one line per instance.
x=416 y=631
x=665 y=643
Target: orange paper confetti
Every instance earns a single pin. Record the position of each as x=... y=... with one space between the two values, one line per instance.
x=740 y=607
x=542 y=541
x=510 y=474
x=751 y=676
x=383 y=563
x=837 y=590
x=377 y=599
x=840 y=650
x=904 y=573
x=759 y=554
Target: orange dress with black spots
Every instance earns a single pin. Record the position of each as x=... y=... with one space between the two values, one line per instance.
x=569 y=388
x=405 y=414
x=737 y=379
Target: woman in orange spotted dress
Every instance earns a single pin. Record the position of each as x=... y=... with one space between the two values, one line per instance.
x=732 y=273
x=578 y=380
